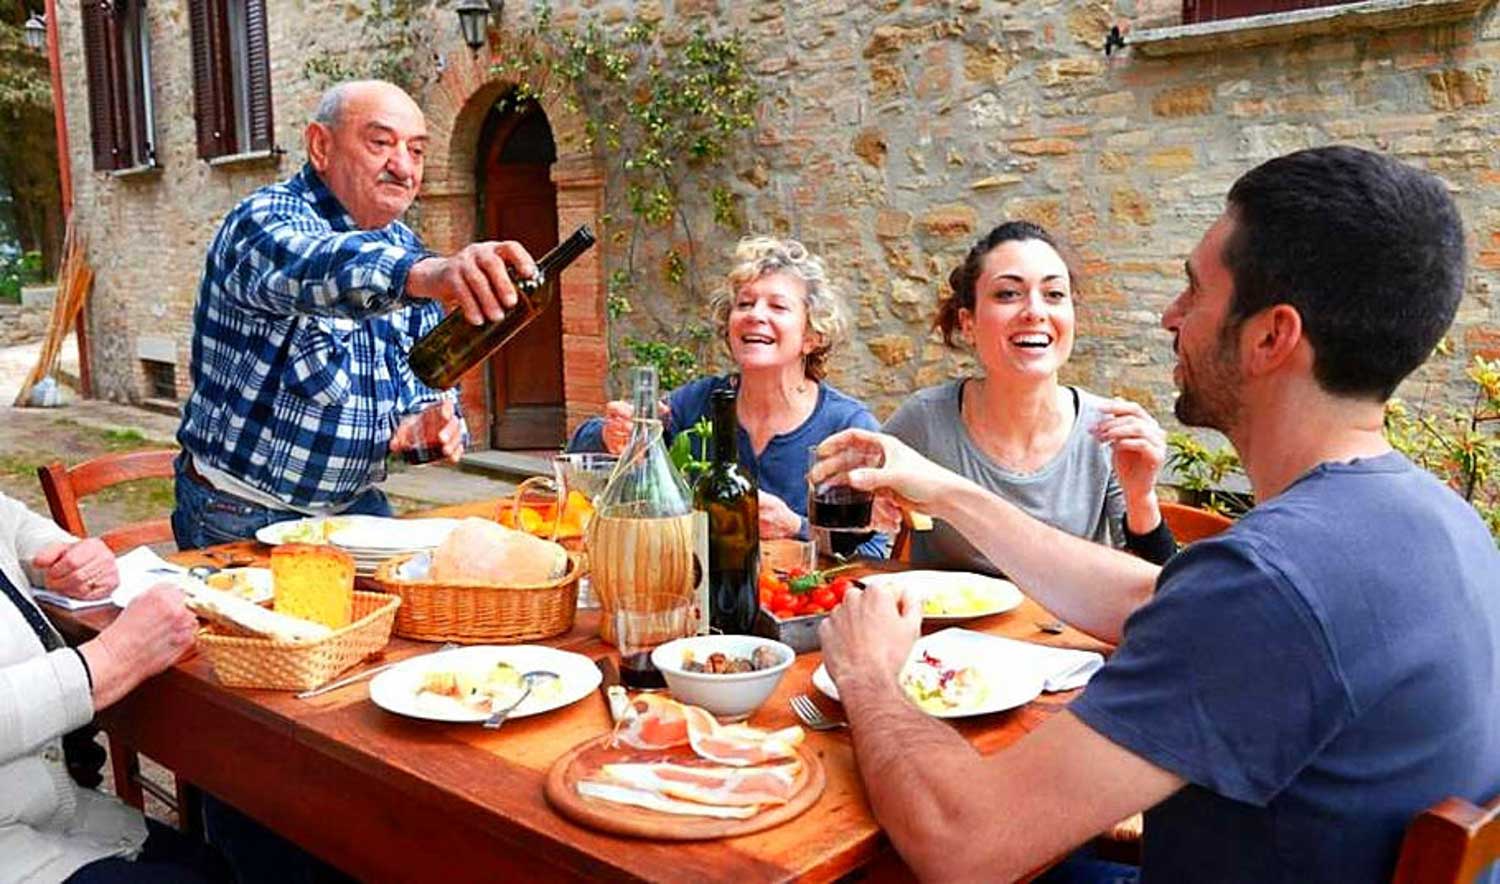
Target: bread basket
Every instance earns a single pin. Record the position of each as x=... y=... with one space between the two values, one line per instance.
x=480 y=613
x=241 y=662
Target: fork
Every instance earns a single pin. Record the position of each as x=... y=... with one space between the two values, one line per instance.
x=809 y=714
x=361 y=676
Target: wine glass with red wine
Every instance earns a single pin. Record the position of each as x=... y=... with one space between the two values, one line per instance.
x=838 y=513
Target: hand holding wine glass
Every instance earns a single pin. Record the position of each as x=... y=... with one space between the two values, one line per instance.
x=883 y=464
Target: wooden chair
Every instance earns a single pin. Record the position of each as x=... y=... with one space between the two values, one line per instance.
x=1188 y=523
x=1450 y=843
x=64 y=487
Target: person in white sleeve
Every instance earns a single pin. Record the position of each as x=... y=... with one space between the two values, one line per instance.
x=51 y=829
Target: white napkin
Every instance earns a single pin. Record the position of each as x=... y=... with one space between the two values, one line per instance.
x=140 y=569
x=69 y=603
x=1061 y=669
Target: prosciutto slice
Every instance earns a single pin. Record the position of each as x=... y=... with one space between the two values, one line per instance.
x=618 y=794
x=722 y=786
x=656 y=722
x=652 y=722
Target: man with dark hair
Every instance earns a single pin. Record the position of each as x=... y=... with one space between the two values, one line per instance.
x=1285 y=696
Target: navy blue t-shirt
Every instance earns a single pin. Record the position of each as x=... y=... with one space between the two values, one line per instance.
x=781 y=469
x=1319 y=674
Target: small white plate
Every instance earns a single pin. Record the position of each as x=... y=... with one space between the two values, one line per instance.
x=310 y=530
x=1007 y=686
x=252 y=584
x=988 y=595
x=395 y=690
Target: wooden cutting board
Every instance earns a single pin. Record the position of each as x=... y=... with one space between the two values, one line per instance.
x=584 y=761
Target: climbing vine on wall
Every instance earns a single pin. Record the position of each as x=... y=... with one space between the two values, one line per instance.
x=669 y=113
x=395 y=36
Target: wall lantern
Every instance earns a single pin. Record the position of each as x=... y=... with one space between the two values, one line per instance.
x=473 y=21
x=36 y=32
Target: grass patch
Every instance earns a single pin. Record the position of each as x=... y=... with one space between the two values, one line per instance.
x=122 y=438
x=21 y=467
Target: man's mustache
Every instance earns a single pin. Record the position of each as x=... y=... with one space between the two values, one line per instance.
x=389 y=178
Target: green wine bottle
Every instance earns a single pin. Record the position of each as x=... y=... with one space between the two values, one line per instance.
x=445 y=354
x=727 y=493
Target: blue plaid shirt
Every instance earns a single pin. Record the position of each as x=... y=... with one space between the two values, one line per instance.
x=301 y=334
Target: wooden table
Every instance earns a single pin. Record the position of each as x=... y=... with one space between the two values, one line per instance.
x=388 y=798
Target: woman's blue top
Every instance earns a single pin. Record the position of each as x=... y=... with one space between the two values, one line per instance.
x=781 y=469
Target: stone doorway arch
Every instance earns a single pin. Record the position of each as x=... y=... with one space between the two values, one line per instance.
x=456 y=108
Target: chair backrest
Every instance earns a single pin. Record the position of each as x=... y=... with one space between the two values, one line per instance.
x=64 y=487
x=1450 y=843
x=1189 y=523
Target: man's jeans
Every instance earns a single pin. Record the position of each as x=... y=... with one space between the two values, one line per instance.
x=205 y=516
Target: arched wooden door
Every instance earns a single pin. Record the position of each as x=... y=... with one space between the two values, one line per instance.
x=519 y=201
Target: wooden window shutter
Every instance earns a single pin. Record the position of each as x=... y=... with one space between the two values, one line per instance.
x=132 y=98
x=120 y=86
x=215 y=129
x=258 y=76
x=98 y=58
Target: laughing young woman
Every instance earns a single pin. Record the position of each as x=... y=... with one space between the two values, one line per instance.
x=1080 y=462
x=779 y=317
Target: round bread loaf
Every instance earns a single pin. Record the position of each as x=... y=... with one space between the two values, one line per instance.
x=481 y=551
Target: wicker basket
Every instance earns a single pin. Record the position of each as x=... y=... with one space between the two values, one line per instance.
x=479 y=613
x=241 y=662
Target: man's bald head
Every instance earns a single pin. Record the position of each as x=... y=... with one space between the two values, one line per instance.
x=332 y=105
x=367 y=141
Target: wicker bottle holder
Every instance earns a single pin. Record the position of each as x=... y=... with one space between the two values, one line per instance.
x=479 y=613
x=242 y=662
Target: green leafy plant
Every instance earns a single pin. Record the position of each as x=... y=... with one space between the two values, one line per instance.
x=675 y=363
x=1458 y=444
x=690 y=449
x=394 y=34
x=667 y=113
x=1202 y=471
x=22 y=270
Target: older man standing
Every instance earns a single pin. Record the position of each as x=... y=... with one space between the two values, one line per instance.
x=1286 y=696
x=312 y=294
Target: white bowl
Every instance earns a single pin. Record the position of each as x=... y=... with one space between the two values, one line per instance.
x=732 y=697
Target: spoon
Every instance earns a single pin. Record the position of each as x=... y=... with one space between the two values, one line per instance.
x=530 y=680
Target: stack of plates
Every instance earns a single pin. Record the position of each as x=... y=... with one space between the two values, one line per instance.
x=372 y=541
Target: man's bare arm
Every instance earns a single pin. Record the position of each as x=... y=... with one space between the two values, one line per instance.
x=956 y=816
x=1092 y=586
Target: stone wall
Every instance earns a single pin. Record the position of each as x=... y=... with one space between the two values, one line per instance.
x=22 y=324
x=890 y=136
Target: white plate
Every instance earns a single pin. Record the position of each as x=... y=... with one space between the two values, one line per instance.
x=1008 y=686
x=995 y=595
x=395 y=690
x=393 y=535
x=310 y=530
x=257 y=582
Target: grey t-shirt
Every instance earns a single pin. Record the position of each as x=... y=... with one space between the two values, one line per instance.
x=1075 y=492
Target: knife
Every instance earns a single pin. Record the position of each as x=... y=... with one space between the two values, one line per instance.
x=615 y=698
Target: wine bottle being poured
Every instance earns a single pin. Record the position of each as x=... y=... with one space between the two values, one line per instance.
x=443 y=355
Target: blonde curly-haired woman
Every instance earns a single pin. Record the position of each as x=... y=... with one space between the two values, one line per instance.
x=780 y=318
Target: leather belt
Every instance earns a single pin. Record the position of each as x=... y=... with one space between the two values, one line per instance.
x=192 y=472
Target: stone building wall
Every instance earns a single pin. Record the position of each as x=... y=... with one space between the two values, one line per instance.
x=890 y=135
